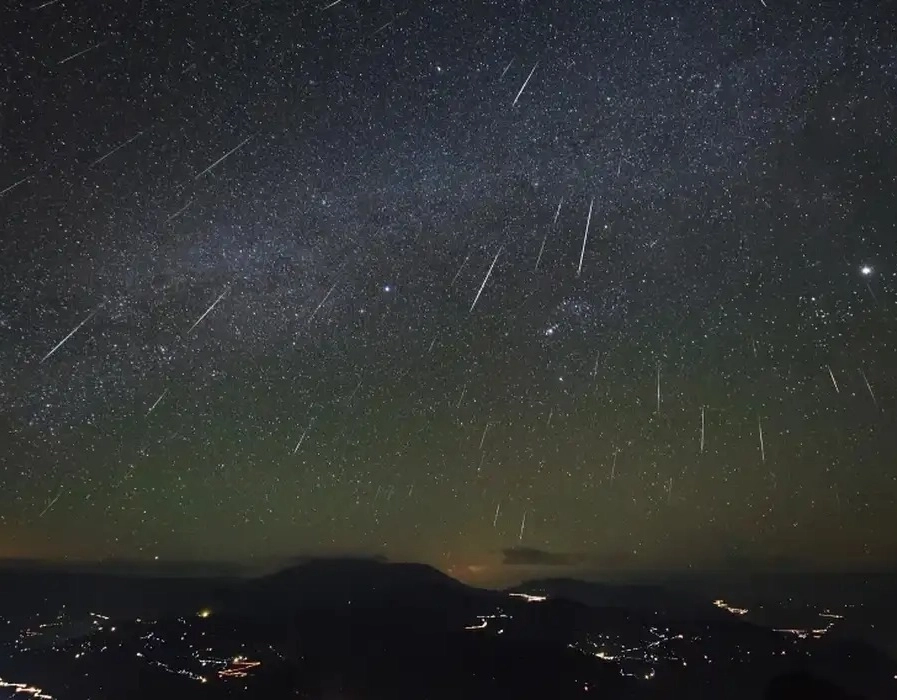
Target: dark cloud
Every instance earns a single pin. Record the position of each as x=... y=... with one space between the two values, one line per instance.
x=612 y=560
x=529 y=556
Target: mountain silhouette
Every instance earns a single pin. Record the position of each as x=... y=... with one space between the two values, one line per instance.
x=328 y=583
x=652 y=598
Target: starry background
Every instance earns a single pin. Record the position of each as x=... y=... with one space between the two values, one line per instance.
x=336 y=183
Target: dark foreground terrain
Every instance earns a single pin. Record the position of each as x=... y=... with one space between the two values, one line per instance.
x=368 y=629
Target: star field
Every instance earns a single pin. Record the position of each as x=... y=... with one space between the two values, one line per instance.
x=613 y=278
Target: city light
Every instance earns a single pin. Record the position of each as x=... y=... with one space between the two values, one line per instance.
x=723 y=605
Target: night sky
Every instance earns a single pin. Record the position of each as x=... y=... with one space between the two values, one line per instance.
x=481 y=284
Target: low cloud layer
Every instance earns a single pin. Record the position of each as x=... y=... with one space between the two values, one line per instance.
x=529 y=556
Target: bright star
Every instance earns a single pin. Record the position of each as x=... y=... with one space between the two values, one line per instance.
x=866 y=270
